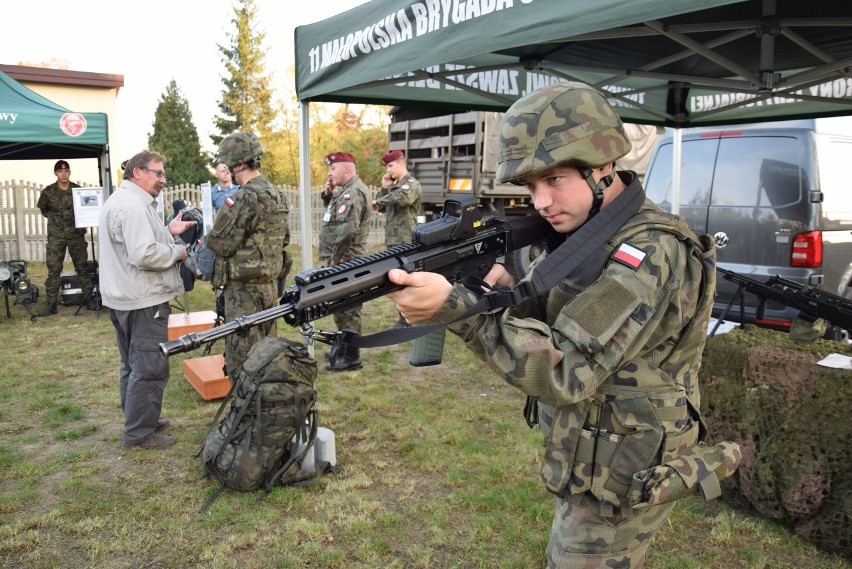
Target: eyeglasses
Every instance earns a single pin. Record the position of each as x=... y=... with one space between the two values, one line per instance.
x=158 y=173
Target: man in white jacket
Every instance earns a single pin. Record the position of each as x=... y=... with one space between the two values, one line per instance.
x=139 y=276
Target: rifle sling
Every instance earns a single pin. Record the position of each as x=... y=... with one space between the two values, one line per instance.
x=558 y=264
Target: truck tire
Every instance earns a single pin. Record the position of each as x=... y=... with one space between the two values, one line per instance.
x=518 y=262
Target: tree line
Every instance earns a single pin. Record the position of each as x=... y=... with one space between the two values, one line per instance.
x=247 y=103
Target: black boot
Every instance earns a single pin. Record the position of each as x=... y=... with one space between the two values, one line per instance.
x=49 y=310
x=344 y=356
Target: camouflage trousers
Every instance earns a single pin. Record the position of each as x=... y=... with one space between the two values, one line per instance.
x=582 y=539
x=349 y=319
x=55 y=257
x=241 y=299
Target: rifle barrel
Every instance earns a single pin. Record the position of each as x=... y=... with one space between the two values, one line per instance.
x=194 y=340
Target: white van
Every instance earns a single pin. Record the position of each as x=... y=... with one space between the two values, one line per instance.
x=776 y=197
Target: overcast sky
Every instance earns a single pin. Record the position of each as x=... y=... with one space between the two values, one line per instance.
x=150 y=43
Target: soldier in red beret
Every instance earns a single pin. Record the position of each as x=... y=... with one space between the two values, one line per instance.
x=343 y=237
x=399 y=199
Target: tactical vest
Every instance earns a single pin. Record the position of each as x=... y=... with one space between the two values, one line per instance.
x=260 y=257
x=602 y=444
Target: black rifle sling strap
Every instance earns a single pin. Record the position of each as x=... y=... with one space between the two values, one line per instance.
x=576 y=249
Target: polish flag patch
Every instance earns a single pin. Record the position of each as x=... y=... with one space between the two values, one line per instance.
x=629 y=255
x=229 y=202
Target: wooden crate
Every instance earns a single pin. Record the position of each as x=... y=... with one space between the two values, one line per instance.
x=183 y=323
x=205 y=375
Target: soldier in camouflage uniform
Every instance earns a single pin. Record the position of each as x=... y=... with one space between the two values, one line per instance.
x=343 y=237
x=57 y=205
x=248 y=235
x=609 y=362
x=399 y=199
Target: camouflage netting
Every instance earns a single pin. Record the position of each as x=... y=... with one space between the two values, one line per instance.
x=791 y=418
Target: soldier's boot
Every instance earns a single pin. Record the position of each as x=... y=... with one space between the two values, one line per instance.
x=49 y=310
x=349 y=360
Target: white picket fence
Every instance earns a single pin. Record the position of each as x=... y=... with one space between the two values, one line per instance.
x=23 y=230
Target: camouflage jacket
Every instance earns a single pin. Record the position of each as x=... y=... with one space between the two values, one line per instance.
x=345 y=223
x=401 y=204
x=612 y=361
x=249 y=234
x=57 y=206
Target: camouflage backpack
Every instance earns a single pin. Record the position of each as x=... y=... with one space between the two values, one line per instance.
x=272 y=399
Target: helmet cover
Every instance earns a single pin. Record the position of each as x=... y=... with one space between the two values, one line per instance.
x=239 y=148
x=557 y=124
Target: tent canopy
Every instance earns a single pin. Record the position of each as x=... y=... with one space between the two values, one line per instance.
x=674 y=63
x=662 y=62
x=33 y=127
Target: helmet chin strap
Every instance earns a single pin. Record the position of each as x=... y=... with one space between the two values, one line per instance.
x=597 y=189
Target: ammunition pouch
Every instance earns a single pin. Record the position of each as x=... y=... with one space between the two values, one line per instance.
x=700 y=467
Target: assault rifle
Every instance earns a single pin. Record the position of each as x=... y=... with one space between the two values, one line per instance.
x=811 y=302
x=459 y=244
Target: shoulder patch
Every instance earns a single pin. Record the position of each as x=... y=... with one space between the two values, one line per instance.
x=347 y=196
x=341 y=209
x=405 y=187
x=629 y=256
x=229 y=202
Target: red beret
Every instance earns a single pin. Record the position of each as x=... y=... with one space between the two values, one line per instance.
x=336 y=157
x=391 y=156
x=61 y=165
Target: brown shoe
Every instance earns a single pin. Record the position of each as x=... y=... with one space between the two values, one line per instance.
x=153 y=442
x=162 y=424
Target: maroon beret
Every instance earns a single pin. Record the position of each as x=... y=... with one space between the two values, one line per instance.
x=391 y=156
x=336 y=157
x=61 y=165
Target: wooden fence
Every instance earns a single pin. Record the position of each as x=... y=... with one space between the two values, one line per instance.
x=23 y=230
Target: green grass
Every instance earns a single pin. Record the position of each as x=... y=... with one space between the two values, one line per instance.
x=437 y=470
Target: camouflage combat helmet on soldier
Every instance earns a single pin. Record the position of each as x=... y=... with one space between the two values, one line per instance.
x=239 y=148
x=566 y=123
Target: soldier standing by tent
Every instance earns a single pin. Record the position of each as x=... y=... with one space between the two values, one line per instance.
x=57 y=205
x=399 y=199
x=343 y=237
x=248 y=236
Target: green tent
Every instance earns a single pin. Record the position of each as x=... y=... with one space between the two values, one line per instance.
x=33 y=127
x=664 y=62
x=676 y=63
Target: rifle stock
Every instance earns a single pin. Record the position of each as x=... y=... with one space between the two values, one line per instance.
x=810 y=301
x=459 y=244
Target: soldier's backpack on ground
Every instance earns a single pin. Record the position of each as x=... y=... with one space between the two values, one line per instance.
x=272 y=399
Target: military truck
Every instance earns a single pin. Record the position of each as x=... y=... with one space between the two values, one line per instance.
x=454 y=154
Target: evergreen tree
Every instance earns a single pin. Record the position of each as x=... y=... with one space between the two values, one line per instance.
x=176 y=138
x=246 y=103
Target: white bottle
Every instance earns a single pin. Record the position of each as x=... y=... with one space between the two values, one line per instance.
x=324 y=445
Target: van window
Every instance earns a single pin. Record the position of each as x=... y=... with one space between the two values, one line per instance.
x=696 y=177
x=759 y=172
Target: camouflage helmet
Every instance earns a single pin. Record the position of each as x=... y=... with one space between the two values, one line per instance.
x=238 y=148
x=561 y=123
